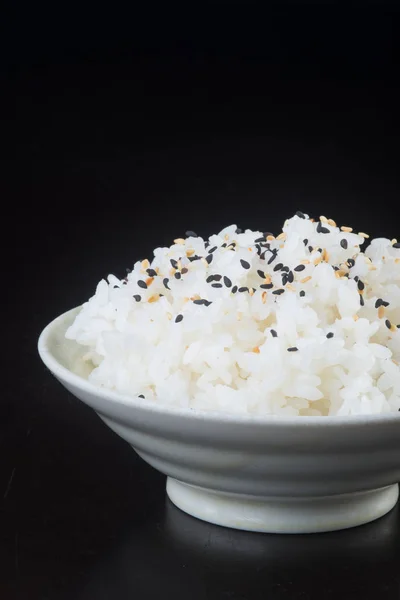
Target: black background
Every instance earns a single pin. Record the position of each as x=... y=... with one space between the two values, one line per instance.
x=120 y=132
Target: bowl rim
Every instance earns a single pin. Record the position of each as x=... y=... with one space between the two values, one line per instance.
x=67 y=376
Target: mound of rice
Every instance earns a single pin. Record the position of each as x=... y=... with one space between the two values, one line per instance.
x=302 y=323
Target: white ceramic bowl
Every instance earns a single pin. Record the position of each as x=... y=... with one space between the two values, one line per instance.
x=274 y=474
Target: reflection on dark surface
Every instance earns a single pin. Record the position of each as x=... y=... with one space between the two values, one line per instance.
x=214 y=562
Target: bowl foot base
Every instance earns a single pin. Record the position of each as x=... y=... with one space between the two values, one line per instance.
x=282 y=515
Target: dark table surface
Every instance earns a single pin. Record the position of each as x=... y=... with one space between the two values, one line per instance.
x=115 y=154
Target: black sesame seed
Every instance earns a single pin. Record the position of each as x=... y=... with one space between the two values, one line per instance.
x=261 y=274
x=137 y=297
x=344 y=244
x=388 y=323
x=321 y=229
x=398 y=326
x=292 y=349
x=142 y=284
x=290 y=277
x=210 y=279
x=174 y=263
x=302 y=293
x=278 y=267
x=209 y=258
x=286 y=269
x=140 y=396
x=191 y=234
x=300 y=268
x=356 y=278
x=177 y=275
x=305 y=241
x=267 y=233
x=320 y=250
x=151 y=273
x=227 y=281
x=266 y=286
x=396 y=245
x=243 y=289
x=224 y=245
x=216 y=285
x=384 y=303
x=362 y=302
x=273 y=333
x=310 y=248
x=193 y=258
x=199 y=302
x=244 y=264
x=179 y=318
x=259 y=250
x=165 y=282
x=234 y=289
x=273 y=257
x=260 y=239
x=300 y=214
x=128 y=270
x=262 y=256
x=330 y=335
x=360 y=285
x=285 y=279
x=207 y=302
x=238 y=230
x=184 y=270
x=278 y=292
x=217 y=277
x=213 y=249
x=206 y=244
x=378 y=303
x=351 y=262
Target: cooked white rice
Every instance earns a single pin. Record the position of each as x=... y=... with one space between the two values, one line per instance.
x=304 y=323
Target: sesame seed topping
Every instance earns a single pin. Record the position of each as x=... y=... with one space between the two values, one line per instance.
x=137 y=297
x=300 y=214
x=213 y=249
x=243 y=289
x=278 y=267
x=184 y=270
x=261 y=274
x=209 y=258
x=346 y=229
x=210 y=278
x=323 y=219
x=278 y=292
x=330 y=335
x=191 y=234
x=305 y=279
x=266 y=286
x=388 y=324
x=351 y=262
x=238 y=230
x=363 y=235
x=273 y=257
x=381 y=312
x=142 y=284
x=310 y=249
x=344 y=244
x=234 y=289
x=178 y=318
x=396 y=245
x=149 y=281
x=177 y=275
x=299 y=268
x=332 y=223
x=153 y=298
x=140 y=396
x=179 y=241
x=217 y=277
x=145 y=264
x=302 y=293
x=292 y=349
x=244 y=264
x=165 y=282
x=190 y=252
x=216 y=285
x=362 y=301
x=260 y=239
x=273 y=333
x=305 y=241
x=360 y=285
x=321 y=229
x=227 y=281
x=174 y=263
x=290 y=277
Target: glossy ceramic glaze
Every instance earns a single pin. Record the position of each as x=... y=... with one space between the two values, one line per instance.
x=274 y=474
